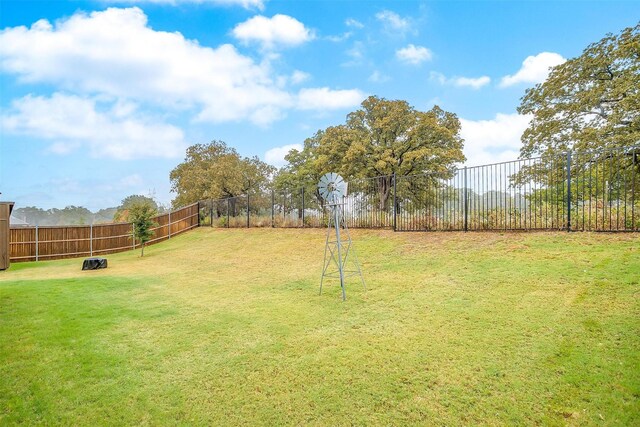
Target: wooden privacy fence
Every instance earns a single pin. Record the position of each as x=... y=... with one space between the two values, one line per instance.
x=56 y=242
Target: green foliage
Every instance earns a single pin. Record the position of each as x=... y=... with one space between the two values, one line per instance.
x=74 y=214
x=590 y=105
x=215 y=170
x=140 y=215
x=104 y=215
x=122 y=213
x=302 y=170
x=381 y=138
x=589 y=102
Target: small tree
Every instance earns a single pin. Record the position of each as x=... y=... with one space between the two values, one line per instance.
x=140 y=214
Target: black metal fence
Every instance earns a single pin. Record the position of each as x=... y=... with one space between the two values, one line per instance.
x=576 y=191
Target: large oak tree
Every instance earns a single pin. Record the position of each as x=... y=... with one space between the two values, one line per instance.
x=589 y=102
x=214 y=171
x=589 y=105
x=382 y=138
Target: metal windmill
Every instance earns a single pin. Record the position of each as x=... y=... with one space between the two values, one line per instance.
x=338 y=250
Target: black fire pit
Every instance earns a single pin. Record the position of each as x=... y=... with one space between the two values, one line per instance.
x=94 y=263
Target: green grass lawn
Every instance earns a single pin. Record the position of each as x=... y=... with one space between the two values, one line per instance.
x=225 y=327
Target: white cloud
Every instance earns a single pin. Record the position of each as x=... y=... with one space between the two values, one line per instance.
x=86 y=54
x=472 y=82
x=534 y=69
x=275 y=156
x=393 y=22
x=247 y=4
x=342 y=37
x=414 y=54
x=134 y=180
x=495 y=140
x=324 y=98
x=378 y=77
x=115 y=54
x=71 y=122
x=298 y=77
x=438 y=77
x=280 y=30
x=353 y=23
x=356 y=53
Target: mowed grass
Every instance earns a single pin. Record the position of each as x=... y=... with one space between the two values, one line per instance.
x=226 y=327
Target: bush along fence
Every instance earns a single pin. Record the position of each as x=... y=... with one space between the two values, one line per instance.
x=56 y=242
x=573 y=191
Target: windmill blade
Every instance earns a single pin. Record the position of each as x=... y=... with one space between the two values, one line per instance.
x=341 y=186
x=324 y=192
x=332 y=186
x=323 y=185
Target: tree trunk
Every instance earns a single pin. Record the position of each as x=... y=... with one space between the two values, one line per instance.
x=384 y=191
x=232 y=206
x=320 y=200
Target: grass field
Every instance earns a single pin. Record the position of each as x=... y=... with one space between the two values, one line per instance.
x=225 y=327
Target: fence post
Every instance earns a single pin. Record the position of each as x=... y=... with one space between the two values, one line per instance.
x=228 y=202
x=36 y=242
x=395 y=204
x=466 y=202
x=273 y=208
x=133 y=236
x=302 y=207
x=170 y=223
x=91 y=240
x=211 y=213
x=569 y=190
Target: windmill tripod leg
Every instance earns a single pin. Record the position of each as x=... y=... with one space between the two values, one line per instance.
x=326 y=263
x=339 y=244
x=359 y=271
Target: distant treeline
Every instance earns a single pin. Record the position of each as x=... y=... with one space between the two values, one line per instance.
x=71 y=215
x=78 y=215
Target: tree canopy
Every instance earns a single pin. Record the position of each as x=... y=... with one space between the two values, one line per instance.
x=382 y=138
x=122 y=213
x=214 y=171
x=588 y=102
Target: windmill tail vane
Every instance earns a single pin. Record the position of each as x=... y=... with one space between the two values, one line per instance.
x=340 y=260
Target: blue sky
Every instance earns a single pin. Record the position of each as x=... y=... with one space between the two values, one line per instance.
x=99 y=99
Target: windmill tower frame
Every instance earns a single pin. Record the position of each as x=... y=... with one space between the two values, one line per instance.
x=338 y=250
